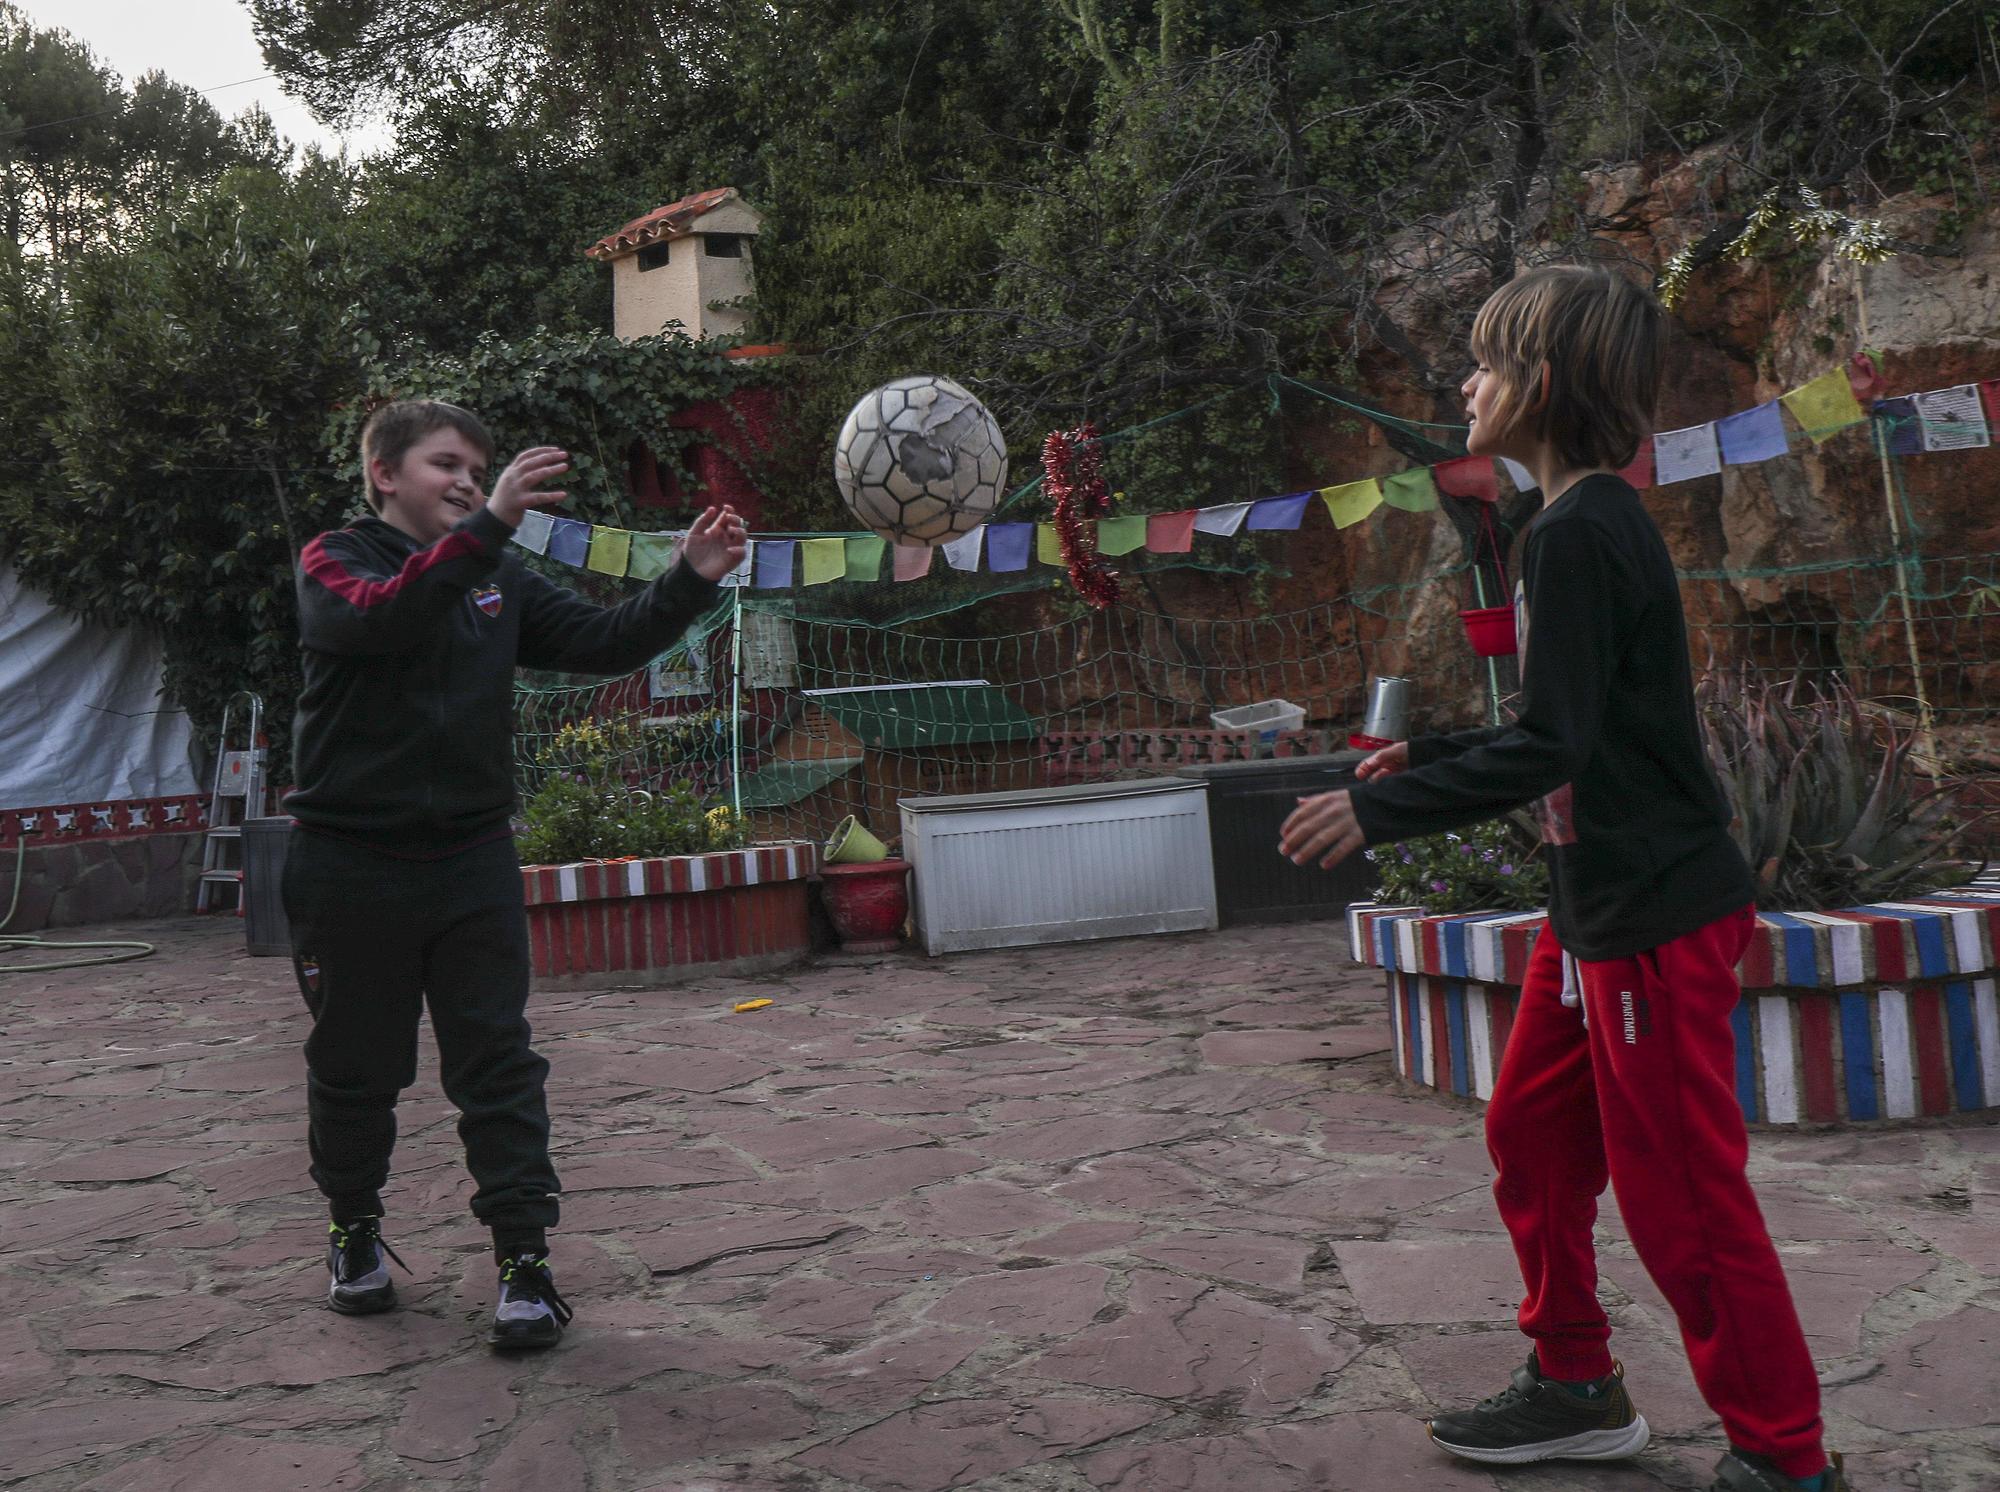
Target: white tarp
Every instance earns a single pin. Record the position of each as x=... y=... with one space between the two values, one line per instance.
x=82 y=718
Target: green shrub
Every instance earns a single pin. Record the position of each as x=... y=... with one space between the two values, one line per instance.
x=586 y=809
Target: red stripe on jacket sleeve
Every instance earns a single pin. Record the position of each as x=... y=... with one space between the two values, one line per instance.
x=321 y=565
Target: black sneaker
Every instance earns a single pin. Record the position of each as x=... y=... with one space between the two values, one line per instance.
x=1537 y=1419
x=1744 y=1471
x=530 y=1313
x=358 y=1261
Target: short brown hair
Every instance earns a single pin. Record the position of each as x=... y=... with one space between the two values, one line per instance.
x=1600 y=336
x=396 y=426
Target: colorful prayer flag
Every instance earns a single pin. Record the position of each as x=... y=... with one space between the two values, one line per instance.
x=610 y=551
x=774 y=564
x=1222 y=520
x=1048 y=544
x=1679 y=455
x=569 y=541
x=910 y=561
x=1468 y=476
x=864 y=558
x=1351 y=502
x=1752 y=435
x=1121 y=535
x=1826 y=405
x=1519 y=475
x=822 y=561
x=1170 y=533
x=1989 y=395
x=740 y=576
x=652 y=555
x=1413 y=490
x=963 y=552
x=1007 y=546
x=533 y=534
x=1274 y=514
x=1900 y=426
x=1952 y=420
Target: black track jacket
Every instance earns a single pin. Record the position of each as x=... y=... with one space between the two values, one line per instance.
x=404 y=738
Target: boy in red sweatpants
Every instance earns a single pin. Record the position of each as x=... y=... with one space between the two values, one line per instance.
x=1629 y=1077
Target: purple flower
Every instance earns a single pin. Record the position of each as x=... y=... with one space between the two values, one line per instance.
x=1506 y=870
x=1437 y=885
x=1408 y=858
x=1465 y=849
x=1490 y=856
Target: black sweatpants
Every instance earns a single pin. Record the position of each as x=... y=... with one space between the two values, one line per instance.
x=375 y=937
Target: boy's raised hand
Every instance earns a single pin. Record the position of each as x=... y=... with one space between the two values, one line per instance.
x=717 y=542
x=519 y=486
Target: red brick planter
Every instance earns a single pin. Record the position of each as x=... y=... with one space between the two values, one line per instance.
x=601 y=923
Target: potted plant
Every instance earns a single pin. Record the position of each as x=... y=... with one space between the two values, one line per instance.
x=624 y=872
x=1869 y=985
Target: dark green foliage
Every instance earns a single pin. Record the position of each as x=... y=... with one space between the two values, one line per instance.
x=604 y=796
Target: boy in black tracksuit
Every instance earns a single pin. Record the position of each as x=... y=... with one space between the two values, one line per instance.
x=402 y=886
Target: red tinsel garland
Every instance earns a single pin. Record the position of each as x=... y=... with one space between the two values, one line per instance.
x=1073 y=474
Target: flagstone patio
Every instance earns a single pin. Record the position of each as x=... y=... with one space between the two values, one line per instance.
x=1144 y=1216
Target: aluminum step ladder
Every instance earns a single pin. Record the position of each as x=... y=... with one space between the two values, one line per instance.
x=240 y=792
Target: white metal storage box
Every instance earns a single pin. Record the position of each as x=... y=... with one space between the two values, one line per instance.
x=1059 y=864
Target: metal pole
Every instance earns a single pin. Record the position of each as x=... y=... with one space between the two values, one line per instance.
x=736 y=701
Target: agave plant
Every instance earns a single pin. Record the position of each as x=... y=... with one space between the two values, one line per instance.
x=1827 y=807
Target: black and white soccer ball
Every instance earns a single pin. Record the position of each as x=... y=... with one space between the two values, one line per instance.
x=920 y=461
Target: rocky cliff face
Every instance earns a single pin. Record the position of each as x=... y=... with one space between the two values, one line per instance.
x=1809 y=535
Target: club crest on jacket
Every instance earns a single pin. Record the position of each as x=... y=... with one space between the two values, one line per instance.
x=487 y=599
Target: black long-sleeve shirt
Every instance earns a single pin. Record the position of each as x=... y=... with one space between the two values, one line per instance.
x=1606 y=743
x=405 y=731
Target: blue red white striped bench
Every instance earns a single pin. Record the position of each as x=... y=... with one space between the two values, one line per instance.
x=1886 y=1011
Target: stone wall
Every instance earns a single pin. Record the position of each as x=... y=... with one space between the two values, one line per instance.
x=102 y=880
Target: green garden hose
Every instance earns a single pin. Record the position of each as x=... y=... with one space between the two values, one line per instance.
x=126 y=949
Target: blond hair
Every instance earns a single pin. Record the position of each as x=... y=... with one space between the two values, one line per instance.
x=1600 y=339
x=396 y=426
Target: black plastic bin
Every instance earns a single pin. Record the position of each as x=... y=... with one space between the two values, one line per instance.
x=1247 y=803
x=266 y=929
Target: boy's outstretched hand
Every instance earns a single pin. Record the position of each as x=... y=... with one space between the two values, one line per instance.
x=1322 y=830
x=518 y=487
x=717 y=542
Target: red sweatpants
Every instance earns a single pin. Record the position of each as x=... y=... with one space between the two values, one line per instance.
x=1643 y=1094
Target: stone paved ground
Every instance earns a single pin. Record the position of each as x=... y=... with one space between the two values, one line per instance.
x=1147 y=1216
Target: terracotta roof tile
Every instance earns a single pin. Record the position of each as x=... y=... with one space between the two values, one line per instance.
x=671 y=221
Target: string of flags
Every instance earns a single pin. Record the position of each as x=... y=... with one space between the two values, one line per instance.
x=1959 y=418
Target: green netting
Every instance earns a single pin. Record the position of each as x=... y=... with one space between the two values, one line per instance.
x=1044 y=692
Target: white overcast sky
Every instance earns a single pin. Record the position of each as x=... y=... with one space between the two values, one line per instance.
x=206 y=44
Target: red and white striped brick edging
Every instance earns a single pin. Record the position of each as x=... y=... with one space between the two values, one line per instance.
x=604 y=922
x=1885 y=1011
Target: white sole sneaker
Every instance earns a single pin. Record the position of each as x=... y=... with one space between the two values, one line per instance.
x=1591 y=1445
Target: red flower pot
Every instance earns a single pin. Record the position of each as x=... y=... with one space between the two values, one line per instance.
x=1491 y=629
x=867 y=903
